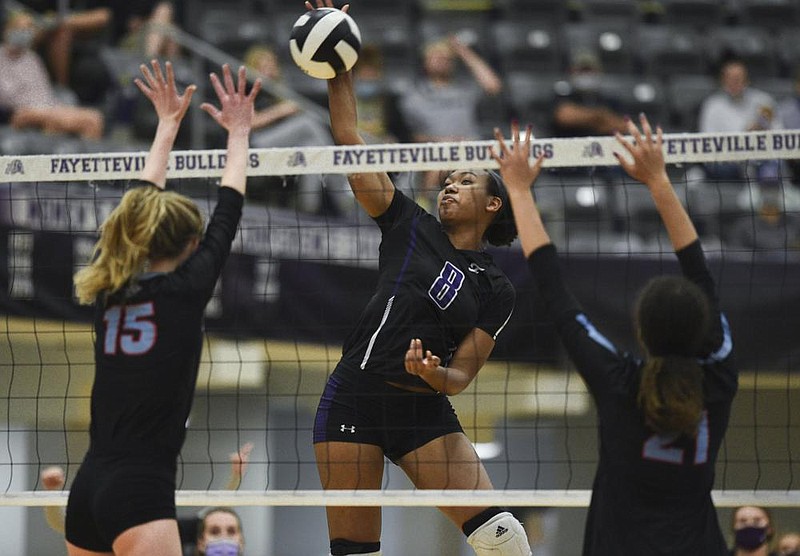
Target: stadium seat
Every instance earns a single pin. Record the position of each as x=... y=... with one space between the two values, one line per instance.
x=613 y=44
x=637 y=94
x=780 y=88
x=611 y=11
x=634 y=210
x=770 y=14
x=524 y=47
x=532 y=96
x=539 y=11
x=393 y=35
x=685 y=94
x=788 y=48
x=695 y=13
x=666 y=50
x=469 y=27
x=753 y=45
x=234 y=31
x=578 y=202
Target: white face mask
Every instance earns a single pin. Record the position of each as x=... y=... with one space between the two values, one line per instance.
x=20 y=38
x=223 y=547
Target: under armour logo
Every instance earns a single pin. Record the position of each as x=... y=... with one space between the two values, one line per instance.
x=475 y=269
x=500 y=531
x=348 y=428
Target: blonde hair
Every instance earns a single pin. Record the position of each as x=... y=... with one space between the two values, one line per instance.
x=148 y=224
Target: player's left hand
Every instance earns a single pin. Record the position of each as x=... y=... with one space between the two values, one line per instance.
x=240 y=459
x=419 y=363
x=170 y=105
x=517 y=172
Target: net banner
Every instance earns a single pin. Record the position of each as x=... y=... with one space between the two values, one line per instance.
x=590 y=151
x=305 y=278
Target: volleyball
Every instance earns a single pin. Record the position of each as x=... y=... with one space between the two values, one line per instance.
x=325 y=42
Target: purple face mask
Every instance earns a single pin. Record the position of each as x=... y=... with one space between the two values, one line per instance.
x=222 y=547
x=751 y=538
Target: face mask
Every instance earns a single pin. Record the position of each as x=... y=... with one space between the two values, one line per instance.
x=586 y=82
x=222 y=547
x=751 y=538
x=20 y=38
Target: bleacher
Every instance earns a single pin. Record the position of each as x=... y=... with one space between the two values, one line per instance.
x=658 y=56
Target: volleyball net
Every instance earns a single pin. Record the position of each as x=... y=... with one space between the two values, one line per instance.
x=305 y=263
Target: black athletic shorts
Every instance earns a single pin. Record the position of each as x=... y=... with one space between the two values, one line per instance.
x=109 y=497
x=360 y=407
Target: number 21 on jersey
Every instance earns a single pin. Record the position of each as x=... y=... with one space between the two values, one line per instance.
x=129 y=328
x=662 y=447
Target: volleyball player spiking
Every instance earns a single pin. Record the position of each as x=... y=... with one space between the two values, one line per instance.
x=153 y=273
x=438 y=293
x=661 y=418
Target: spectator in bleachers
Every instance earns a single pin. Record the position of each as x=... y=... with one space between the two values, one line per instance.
x=583 y=110
x=57 y=32
x=27 y=96
x=379 y=118
x=789 y=544
x=279 y=122
x=736 y=106
x=263 y=60
x=752 y=531
x=144 y=26
x=442 y=107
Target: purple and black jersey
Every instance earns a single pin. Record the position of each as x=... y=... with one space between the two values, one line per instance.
x=426 y=289
x=147 y=350
x=651 y=493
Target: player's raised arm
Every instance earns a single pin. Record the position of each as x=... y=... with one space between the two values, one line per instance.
x=519 y=175
x=235 y=115
x=647 y=166
x=374 y=191
x=171 y=107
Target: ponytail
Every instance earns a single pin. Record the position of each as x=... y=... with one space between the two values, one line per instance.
x=148 y=224
x=671 y=394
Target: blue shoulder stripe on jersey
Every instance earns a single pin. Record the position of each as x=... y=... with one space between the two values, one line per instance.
x=727 y=344
x=594 y=334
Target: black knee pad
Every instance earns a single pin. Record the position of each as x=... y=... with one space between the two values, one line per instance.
x=343 y=547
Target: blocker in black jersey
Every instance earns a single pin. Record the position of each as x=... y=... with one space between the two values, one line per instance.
x=426 y=289
x=149 y=326
x=147 y=352
x=652 y=493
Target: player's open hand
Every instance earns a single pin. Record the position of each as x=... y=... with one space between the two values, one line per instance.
x=515 y=168
x=170 y=105
x=239 y=460
x=52 y=478
x=326 y=4
x=646 y=151
x=237 y=105
x=418 y=362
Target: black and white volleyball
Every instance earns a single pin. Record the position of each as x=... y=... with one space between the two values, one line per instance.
x=325 y=42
